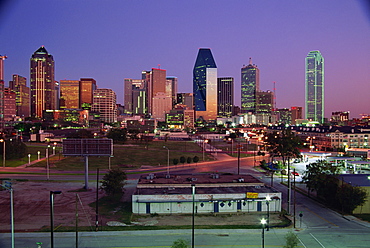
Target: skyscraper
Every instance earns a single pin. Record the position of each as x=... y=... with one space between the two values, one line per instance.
x=134 y=89
x=171 y=86
x=19 y=86
x=265 y=102
x=225 y=96
x=205 y=85
x=69 y=94
x=104 y=102
x=315 y=86
x=44 y=92
x=250 y=85
x=87 y=87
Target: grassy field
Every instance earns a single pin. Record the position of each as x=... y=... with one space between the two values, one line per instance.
x=129 y=155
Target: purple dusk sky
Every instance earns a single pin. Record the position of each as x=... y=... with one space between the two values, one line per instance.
x=115 y=39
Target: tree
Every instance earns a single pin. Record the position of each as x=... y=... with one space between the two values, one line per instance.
x=196 y=159
x=113 y=182
x=189 y=160
x=286 y=145
x=182 y=159
x=316 y=175
x=175 y=161
x=180 y=243
x=291 y=240
x=117 y=134
x=14 y=149
x=350 y=197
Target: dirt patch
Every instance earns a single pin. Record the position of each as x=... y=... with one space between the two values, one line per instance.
x=205 y=219
x=32 y=205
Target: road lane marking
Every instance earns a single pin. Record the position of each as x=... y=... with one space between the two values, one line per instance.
x=322 y=217
x=317 y=240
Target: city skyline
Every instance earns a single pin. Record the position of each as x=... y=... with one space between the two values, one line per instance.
x=277 y=36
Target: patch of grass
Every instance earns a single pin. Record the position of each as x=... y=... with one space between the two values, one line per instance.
x=113 y=207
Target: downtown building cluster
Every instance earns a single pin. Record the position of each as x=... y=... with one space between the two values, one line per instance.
x=154 y=98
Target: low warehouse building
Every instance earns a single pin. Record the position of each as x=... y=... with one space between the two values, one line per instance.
x=214 y=193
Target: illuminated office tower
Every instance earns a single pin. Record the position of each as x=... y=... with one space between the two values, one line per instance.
x=69 y=94
x=315 y=87
x=22 y=92
x=265 y=102
x=171 y=87
x=87 y=87
x=44 y=92
x=10 y=110
x=205 y=85
x=134 y=94
x=296 y=114
x=104 y=102
x=250 y=85
x=225 y=96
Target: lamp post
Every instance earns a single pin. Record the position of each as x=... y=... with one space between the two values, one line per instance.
x=29 y=159
x=192 y=222
x=263 y=222
x=53 y=150
x=3 y=141
x=47 y=162
x=38 y=155
x=52 y=193
x=268 y=198
x=168 y=160
x=8 y=186
x=204 y=142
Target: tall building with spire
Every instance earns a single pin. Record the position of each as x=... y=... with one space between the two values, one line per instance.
x=250 y=85
x=205 y=85
x=44 y=91
x=315 y=87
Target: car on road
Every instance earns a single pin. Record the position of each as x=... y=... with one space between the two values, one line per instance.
x=294 y=173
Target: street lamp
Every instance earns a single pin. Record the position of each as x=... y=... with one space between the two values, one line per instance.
x=47 y=161
x=38 y=155
x=263 y=222
x=3 y=141
x=52 y=193
x=268 y=199
x=8 y=186
x=168 y=161
x=192 y=223
x=29 y=159
x=204 y=142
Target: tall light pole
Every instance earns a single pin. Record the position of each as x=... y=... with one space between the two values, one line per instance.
x=168 y=160
x=8 y=186
x=263 y=222
x=192 y=222
x=52 y=193
x=268 y=198
x=4 y=146
x=47 y=161
x=204 y=142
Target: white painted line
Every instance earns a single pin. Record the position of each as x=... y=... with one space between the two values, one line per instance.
x=316 y=240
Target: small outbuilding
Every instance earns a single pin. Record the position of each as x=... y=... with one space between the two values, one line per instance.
x=210 y=193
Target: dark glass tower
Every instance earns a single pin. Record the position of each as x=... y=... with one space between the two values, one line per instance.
x=225 y=89
x=205 y=85
x=315 y=86
x=250 y=85
x=44 y=92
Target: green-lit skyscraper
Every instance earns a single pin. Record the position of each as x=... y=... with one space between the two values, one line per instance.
x=315 y=86
x=250 y=85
